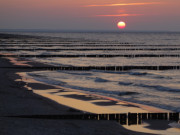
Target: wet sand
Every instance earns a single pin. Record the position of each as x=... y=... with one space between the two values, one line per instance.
x=85 y=101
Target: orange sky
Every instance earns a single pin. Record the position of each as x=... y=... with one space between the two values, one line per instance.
x=90 y=14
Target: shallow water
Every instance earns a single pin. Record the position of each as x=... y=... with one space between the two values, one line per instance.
x=156 y=88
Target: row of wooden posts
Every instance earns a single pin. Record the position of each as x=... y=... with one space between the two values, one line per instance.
x=94 y=56
x=104 y=68
x=91 y=49
x=123 y=119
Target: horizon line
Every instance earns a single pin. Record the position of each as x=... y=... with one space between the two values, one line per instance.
x=58 y=30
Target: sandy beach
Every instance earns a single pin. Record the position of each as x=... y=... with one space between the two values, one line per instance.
x=16 y=100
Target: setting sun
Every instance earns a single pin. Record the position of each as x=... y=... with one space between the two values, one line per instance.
x=121 y=25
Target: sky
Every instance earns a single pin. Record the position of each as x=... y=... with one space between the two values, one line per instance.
x=91 y=15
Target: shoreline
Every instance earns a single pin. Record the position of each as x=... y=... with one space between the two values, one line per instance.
x=82 y=106
x=15 y=100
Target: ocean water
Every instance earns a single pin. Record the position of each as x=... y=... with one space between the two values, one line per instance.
x=159 y=88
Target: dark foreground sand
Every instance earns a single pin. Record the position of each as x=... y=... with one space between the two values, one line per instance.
x=16 y=100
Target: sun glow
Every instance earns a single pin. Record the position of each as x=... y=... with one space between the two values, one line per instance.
x=121 y=15
x=125 y=4
x=121 y=25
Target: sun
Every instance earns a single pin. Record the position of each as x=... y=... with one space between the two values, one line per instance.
x=121 y=25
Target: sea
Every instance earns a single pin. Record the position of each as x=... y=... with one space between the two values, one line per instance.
x=158 y=88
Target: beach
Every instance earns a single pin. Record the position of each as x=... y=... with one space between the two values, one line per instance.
x=16 y=100
x=29 y=106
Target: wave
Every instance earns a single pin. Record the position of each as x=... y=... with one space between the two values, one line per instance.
x=125 y=83
x=101 y=80
x=128 y=93
x=77 y=73
x=158 y=87
x=155 y=87
x=138 y=73
x=42 y=78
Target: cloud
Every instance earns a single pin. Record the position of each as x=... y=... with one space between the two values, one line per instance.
x=123 y=4
x=120 y=15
